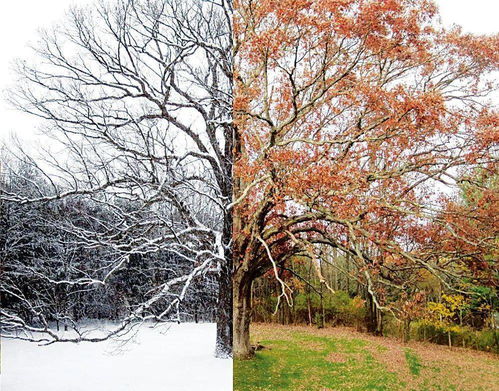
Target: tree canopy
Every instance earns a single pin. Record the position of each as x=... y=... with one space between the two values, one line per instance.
x=358 y=120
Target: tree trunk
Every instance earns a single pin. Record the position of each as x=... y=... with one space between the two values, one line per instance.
x=407 y=330
x=309 y=311
x=379 y=327
x=242 y=314
x=224 y=310
x=374 y=320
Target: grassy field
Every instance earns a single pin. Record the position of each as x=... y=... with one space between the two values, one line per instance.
x=334 y=359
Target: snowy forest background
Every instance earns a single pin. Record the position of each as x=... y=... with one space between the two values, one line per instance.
x=57 y=269
x=123 y=212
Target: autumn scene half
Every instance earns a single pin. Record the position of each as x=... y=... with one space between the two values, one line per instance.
x=365 y=225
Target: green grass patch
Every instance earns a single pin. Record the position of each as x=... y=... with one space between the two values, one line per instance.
x=307 y=359
x=308 y=362
x=413 y=362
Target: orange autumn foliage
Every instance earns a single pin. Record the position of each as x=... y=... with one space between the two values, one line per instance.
x=355 y=119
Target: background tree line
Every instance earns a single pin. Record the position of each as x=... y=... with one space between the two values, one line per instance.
x=50 y=254
x=426 y=309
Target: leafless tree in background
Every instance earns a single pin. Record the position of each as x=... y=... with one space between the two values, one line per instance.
x=139 y=93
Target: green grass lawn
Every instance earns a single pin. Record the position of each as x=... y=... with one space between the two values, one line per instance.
x=301 y=358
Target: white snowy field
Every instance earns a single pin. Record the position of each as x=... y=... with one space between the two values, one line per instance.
x=179 y=359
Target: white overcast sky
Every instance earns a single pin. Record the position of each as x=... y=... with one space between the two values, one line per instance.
x=20 y=20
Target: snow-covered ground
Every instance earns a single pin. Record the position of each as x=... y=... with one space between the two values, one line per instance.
x=176 y=360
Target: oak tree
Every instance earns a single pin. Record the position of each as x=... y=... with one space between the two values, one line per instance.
x=356 y=120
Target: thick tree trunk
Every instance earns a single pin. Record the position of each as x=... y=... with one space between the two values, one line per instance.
x=224 y=309
x=224 y=342
x=224 y=316
x=242 y=315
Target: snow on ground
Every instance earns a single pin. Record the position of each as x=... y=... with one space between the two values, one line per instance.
x=178 y=359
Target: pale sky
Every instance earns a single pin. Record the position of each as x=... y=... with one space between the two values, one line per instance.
x=20 y=20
